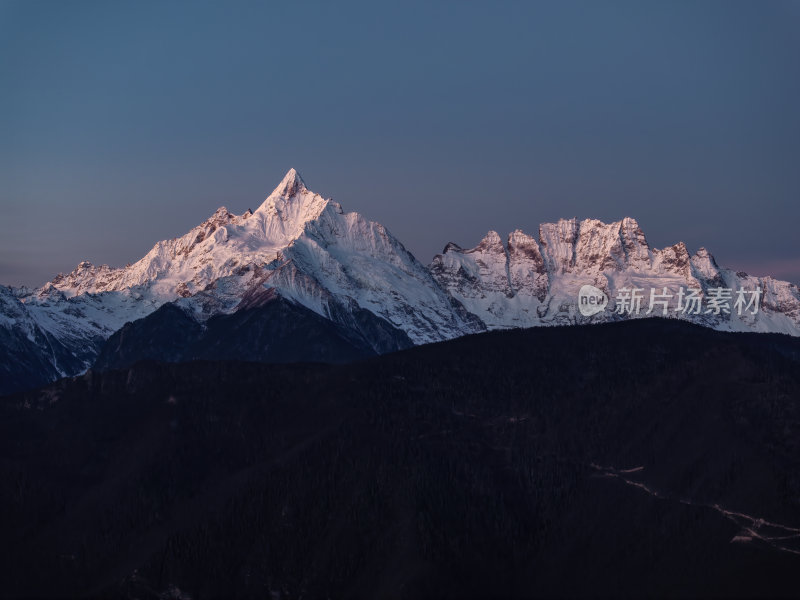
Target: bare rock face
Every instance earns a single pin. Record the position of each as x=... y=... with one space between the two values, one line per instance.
x=526 y=270
x=673 y=259
x=590 y=246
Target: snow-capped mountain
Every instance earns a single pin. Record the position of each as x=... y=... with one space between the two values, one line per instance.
x=529 y=281
x=296 y=242
x=297 y=246
x=318 y=261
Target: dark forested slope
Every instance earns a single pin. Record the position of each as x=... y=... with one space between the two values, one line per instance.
x=639 y=458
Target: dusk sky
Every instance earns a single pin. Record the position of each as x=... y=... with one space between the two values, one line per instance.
x=124 y=123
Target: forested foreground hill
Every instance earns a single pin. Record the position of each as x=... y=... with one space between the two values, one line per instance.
x=640 y=458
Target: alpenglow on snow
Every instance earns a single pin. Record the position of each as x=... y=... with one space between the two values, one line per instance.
x=305 y=249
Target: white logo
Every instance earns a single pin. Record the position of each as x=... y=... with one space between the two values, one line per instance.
x=717 y=301
x=591 y=300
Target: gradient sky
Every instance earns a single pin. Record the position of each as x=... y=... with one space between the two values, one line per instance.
x=123 y=123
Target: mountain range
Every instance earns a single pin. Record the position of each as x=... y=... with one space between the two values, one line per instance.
x=300 y=279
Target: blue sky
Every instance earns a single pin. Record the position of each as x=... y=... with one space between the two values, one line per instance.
x=123 y=123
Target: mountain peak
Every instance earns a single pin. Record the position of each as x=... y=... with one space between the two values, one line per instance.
x=452 y=247
x=491 y=242
x=630 y=222
x=291 y=185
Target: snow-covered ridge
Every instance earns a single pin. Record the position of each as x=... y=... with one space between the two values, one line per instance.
x=307 y=249
x=185 y=265
x=535 y=281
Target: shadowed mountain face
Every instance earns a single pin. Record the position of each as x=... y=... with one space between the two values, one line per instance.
x=639 y=458
x=277 y=331
x=31 y=356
